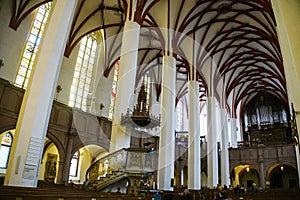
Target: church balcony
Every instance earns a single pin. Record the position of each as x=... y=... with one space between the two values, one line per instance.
x=254 y=155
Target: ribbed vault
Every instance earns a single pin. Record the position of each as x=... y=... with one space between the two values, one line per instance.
x=235 y=53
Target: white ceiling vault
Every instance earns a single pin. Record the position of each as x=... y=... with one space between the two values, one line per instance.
x=232 y=45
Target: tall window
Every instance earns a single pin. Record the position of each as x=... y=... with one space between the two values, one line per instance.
x=146 y=83
x=74 y=164
x=5 y=146
x=32 y=44
x=179 y=112
x=83 y=72
x=114 y=90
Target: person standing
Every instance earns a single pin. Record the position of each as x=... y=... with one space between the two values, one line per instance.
x=186 y=195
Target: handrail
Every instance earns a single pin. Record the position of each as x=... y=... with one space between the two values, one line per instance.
x=138 y=160
x=102 y=160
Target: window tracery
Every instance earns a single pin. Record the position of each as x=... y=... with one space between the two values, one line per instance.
x=82 y=79
x=32 y=44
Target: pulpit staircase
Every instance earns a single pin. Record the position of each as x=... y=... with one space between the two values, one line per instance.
x=125 y=163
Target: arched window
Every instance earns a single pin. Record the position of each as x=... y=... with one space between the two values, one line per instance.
x=114 y=90
x=82 y=78
x=74 y=164
x=6 y=143
x=32 y=44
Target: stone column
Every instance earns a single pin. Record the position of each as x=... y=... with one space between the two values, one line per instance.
x=65 y=162
x=262 y=175
x=60 y=171
x=194 y=153
x=212 y=144
x=261 y=168
x=167 y=128
x=225 y=177
x=67 y=159
x=27 y=149
x=120 y=137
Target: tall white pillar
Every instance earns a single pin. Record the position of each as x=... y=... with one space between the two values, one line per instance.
x=286 y=14
x=234 y=132
x=194 y=152
x=225 y=178
x=167 y=127
x=297 y=150
x=120 y=138
x=212 y=144
x=27 y=149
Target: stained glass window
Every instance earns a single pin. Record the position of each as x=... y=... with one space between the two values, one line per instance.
x=32 y=44
x=6 y=143
x=114 y=90
x=82 y=78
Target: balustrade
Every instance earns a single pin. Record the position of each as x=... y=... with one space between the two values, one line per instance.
x=120 y=164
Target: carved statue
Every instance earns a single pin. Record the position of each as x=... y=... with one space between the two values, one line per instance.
x=141 y=101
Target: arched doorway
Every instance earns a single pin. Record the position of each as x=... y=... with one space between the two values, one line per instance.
x=283 y=176
x=248 y=176
x=82 y=159
x=50 y=161
x=244 y=175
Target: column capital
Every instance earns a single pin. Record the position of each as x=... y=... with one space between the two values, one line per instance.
x=73 y=132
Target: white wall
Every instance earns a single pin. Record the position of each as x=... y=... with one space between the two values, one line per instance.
x=11 y=42
x=102 y=85
x=66 y=76
x=11 y=49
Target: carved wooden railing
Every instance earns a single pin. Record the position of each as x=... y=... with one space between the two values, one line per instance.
x=120 y=164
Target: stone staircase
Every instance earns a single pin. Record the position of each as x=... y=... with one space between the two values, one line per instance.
x=103 y=182
x=131 y=163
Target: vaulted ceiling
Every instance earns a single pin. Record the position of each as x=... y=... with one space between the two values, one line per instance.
x=234 y=44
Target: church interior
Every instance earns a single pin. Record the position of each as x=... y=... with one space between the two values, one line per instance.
x=143 y=99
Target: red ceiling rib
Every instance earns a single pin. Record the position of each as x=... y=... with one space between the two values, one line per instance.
x=239 y=35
